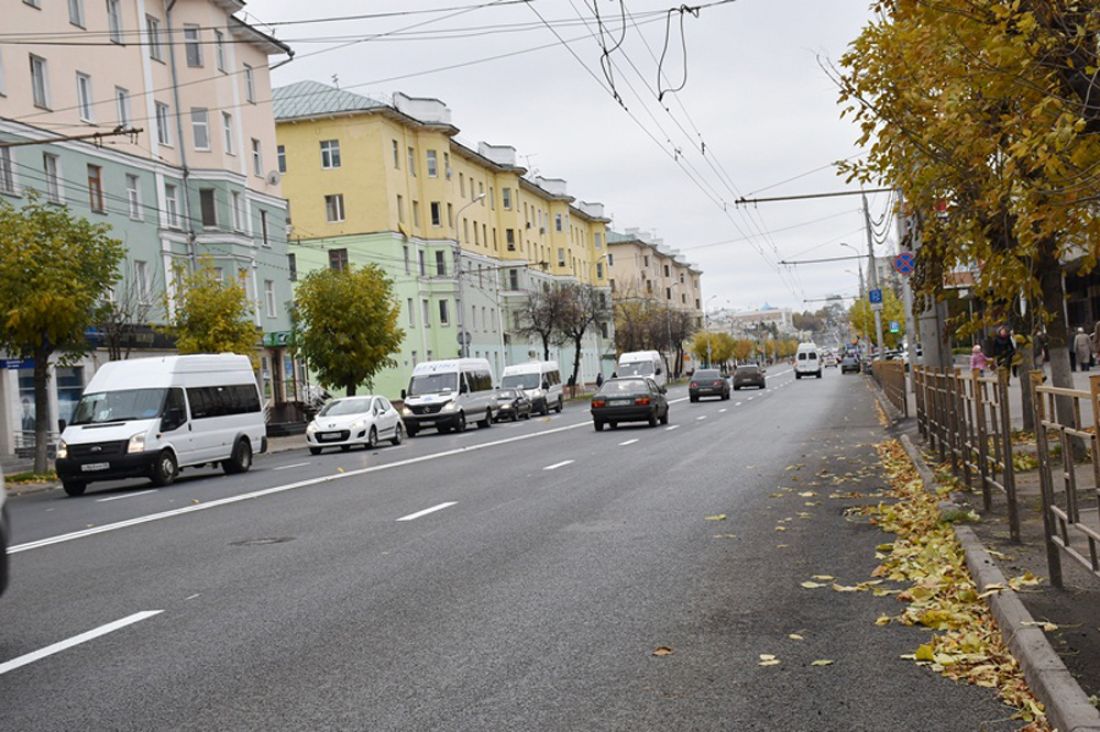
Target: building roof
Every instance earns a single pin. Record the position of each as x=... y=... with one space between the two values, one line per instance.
x=304 y=99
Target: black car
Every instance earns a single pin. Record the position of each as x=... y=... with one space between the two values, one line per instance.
x=629 y=399
x=749 y=374
x=512 y=404
x=708 y=382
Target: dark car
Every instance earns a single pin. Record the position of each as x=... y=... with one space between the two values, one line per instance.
x=849 y=363
x=630 y=399
x=708 y=382
x=749 y=374
x=512 y=404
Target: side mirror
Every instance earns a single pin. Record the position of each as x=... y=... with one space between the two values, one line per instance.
x=61 y=425
x=658 y=371
x=403 y=395
x=545 y=385
x=463 y=388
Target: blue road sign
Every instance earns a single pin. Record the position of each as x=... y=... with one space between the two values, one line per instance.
x=905 y=263
x=895 y=327
x=875 y=296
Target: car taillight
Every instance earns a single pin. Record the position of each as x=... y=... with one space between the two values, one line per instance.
x=641 y=401
x=694 y=384
x=599 y=403
x=718 y=383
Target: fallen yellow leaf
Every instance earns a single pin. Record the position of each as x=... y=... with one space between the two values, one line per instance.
x=795 y=636
x=821 y=662
x=717 y=517
x=823 y=577
x=811 y=585
x=662 y=651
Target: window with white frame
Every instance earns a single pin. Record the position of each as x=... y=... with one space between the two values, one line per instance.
x=447 y=165
x=506 y=198
x=400 y=209
x=433 y=164
x=152 y=32
x=412 y=161
x=76 y=12
x=249 y=84
x=426 y=313
x=440 y=263
x=114 y=21
x=263 y=228
x=405 y=254
x=164 y=131
x=171 y=206
x=269 y=297
x=95 y=189
x=237 y=204
x=7 y=176
x=557 y=222
x=141 y=280
x=444 y=311
x=330 y=154
x=192 y=45
x=257 y=158
x=334 y=208
x=219 y=49
x=84 y=96
x=200 y=128
x=396 y=155
x=227 y=128
x=122 y=105
x=598 y=238
x=50 y=167
x=133 y=196
x=561 y=257
x=280 y=156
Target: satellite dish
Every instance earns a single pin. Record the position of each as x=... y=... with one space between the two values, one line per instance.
x=273 y=178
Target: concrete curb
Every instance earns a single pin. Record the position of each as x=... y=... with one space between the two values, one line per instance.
x=1067 y=706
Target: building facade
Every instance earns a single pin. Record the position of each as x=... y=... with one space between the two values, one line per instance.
x=185 y=169
x=461 y=231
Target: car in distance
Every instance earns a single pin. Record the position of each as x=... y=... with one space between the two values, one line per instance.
x=630 y=399
x=708 y=382
x=749 y=374
x=806 y=361
x=849 y=363
x=357 y=420
x=829 y=360
x=512 y=404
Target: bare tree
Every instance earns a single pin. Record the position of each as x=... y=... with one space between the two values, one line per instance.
x=539 y=317
x=583 y=307
x=129 y=306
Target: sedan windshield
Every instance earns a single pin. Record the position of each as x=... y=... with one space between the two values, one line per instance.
x=433 y=384
x=624 y=386
x=358 y=405
x=640 y=368
x=119 y=406
x=521 y=381
x=707 y=374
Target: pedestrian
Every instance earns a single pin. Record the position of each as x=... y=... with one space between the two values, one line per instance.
x=599 y=380
x=1004 y=348
x=978 y=361
x=1082 y=349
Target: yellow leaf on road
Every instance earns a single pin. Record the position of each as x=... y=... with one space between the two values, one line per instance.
x=821 y=662
x=662 y=651
x=807 y=494
x=717 y=517
x=795 y=636
x=823 y=577
x=924 y=653
x=767 y=659
x=1046 y=625
x=811 y=585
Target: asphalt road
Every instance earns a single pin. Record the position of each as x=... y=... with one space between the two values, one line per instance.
x=518 y=577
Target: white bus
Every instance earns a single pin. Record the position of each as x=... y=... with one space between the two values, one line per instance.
x=540 y=380
x=642 y=363
x=448 y=394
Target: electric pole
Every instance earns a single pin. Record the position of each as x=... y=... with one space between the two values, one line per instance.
x=872 y=276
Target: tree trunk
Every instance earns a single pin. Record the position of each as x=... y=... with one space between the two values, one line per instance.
x=576 y=361
x=350 y=389
x=1050 y=278
x=546 y=348
x=41 y=410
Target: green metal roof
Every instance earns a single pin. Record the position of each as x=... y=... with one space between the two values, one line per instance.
x=304 y=99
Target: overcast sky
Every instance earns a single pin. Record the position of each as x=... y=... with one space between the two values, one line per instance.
x=754 y=91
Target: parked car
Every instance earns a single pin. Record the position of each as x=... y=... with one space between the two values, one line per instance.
x=446 y=394
x=5 y=537
x=513 y=404
x=357 y=420
x=708 y=382
x=749 y=374
x=829 y=361
x=631 y=399
x=849 y=363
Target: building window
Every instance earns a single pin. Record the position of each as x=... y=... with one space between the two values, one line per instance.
x=84 y=96
x=426 y=315
x=219 y=49
x=53 y=179
x=269 y=297
x=421 y=263
x=447 y=165
x=668 y=293
x=152 y=30
x=122 y=103
x=450 y=215
x=114 y=21
x=249 y=84
x=292 y=266
x=437 y=219
x=506 y=198
x=263 y=228
x=95 y=188
x=40 y=89
x=410 y=313
x=192 y=45
x=338 y=259
x=466 y=230
x=444 y=312
x=480 y=192
x=76 y=12
x=668 y=272
x=164 y=133
x=494 y=238
x=416 y=213
x=171 y=206
x=208 y=206
x=200 y=128
x=492 y=199
x=405 y=253
x=557 y=222
x=510 y=239
x=610 y=259
x=440 y=263
x=599 y=270
x=611 y=284
x=561 y=257
x=7 y=176
x=141 y=280
x=462 y=185
x=513 y=279
x=133 y=196
x=330 y=154
x=257 y=158
x=433 y=165
x=645 y=260
x=477 y=239
x=334 y=207
x=237 y=204
x=598 y=238
x=280 y=155
x=400 y=209
x=227 y=128
x=412 y=161
x=396 y=155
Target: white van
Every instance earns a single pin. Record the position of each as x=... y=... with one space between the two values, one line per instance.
x=807 y=361
x=540 y=380
x=642 y=363
x=150 y=417
x=447 y=394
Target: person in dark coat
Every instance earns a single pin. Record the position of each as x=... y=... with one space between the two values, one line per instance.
x=1004 y=348
x=599 y=380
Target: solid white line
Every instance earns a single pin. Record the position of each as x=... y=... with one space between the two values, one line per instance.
x=628 y=442
x=672 y=427
x=293 y=465
x=125 y=495
x=738 y=404
x=701 y=416
x=426 y=511
x=75 y=640
x=721 y=410
x=555 y=466
x=60 y=538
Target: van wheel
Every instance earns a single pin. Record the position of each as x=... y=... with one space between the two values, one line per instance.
x=372 y=439
x=460 y=426
x=559 y=407
x=487 y=422
x=165 y=469
x=411 y=431
x=314 y=451
x=398 y=434
x=241 y=459
x=74 y=487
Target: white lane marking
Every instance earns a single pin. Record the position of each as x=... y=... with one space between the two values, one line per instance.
x=75 y=640
x=555 y=466
x=60 y=538
x=738 y=404
x=672 y=427
x=779 y=373
x=125 y=495
x=292 y=465
x=192 y=597
x=751 y=398
x=701 y=416
x=426 y=511
x=721 y=410
x=628 y=442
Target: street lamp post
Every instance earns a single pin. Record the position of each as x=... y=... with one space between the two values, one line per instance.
x=463 y=341
x=668 y=323
x=859 y=263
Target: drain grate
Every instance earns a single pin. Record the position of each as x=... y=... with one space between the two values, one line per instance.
x=262 y=541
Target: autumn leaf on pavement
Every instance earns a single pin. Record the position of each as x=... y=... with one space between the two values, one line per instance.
x=717 y=517
x=662 y=651
x=809 y=585
x=795 y=636
x=821 y=662
x=767 y=659
x=823 y=577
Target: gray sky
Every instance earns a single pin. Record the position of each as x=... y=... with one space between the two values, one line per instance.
x=754 y=90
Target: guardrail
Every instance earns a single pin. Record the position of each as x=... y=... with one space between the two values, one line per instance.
x=890 y=376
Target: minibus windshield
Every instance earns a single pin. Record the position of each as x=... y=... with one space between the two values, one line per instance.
x=119 y=406
x=520 y=381
x=637 y=368
x=433 y=384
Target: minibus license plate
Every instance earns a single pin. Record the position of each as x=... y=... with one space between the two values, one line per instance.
x=90 y=467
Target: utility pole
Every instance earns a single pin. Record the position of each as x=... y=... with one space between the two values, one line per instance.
x=906 y=288
x=872 y=275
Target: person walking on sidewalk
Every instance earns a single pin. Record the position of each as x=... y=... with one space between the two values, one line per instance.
x=1004 y=348
x=1082 y=348
x=978 y=360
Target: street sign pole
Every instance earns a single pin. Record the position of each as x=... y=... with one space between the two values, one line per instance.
x=873 y=275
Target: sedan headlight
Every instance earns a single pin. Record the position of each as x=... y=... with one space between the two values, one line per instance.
x=358 y=424
x=137 y=443
x=311 y=428
x=62 y=449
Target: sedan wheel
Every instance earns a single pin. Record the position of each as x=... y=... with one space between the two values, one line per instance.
x=398 y=434
x=372 y=439
x=598 y=425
